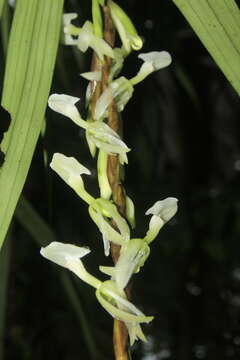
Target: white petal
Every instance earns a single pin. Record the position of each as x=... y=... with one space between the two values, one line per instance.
x=68 y=168
x=159 y=59
x=165 y=209
x=92 y=75
x=62 y=254
x=64 y=104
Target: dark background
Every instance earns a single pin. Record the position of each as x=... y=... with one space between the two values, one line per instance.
x=183 y=127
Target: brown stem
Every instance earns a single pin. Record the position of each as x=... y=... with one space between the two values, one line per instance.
x=120 y=333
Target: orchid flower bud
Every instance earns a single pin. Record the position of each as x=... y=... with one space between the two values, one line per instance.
x=126 y=30
x=162 y=212
x=153 y=61
x=70 y=170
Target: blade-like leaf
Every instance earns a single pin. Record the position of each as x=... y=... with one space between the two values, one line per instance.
x=217 y=24
x=1 y=7
x=4 y=272
x=30 y=62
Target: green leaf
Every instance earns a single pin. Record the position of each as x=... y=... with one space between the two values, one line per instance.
x=4 y=271
x=217 y=24
x=1 y=7
x=31 y=57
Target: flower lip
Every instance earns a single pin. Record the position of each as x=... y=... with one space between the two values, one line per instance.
x=68 y=168
x=62 y=254
x=158 y=59
x=165 y=209
x=64 y=104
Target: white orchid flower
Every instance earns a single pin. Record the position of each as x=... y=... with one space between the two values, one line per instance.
x=107 y=139
x=70 y=29
x=65 y=105
x=111 y=299
x=101 y=210
x=68 y=256
x=120 y=90
x=162 y=212
x=87 y=38
x=153 y=61
x=98 y=132
x=132 y=257
x=126 y=30
x=70 y=170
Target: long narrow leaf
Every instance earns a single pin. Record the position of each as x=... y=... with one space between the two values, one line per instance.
x=4 y=274
x=29 y=69
x=1 y=7
x=217 y=24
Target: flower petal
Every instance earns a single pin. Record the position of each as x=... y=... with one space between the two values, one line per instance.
x=165 y=209
x=159 y=59
x=61 y=253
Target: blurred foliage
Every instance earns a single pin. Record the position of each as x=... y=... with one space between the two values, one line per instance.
x=183 y=128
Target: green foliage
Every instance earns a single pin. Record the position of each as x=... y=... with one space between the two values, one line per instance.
x=30 y=62
x=217 y=24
